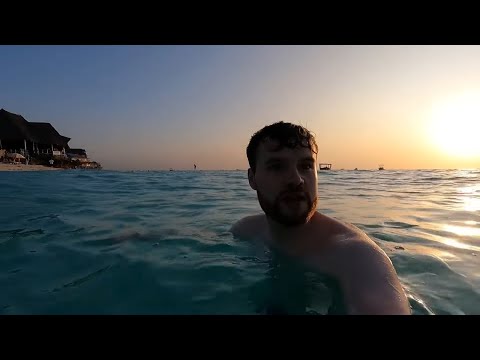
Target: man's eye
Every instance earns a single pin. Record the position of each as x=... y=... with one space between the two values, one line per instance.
x=275 y=166
x=307 y=166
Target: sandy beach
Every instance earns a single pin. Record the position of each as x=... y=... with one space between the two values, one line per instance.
x=23 y=167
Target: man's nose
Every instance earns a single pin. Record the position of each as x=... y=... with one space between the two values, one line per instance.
x=294 y=178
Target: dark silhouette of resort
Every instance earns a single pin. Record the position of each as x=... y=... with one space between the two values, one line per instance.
x=38 y=143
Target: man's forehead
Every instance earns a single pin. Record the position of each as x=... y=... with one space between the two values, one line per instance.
x=270 y=149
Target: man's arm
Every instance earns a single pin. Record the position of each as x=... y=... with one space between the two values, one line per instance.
x=244 y=227
x=236 y=228
x=369 y=281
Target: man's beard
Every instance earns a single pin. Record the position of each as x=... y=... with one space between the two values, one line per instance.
x=291 y=200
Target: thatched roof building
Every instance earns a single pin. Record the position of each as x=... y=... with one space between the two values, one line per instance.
x=77 y=152
x=18 y=133
x=14 y=127
x=45 y=133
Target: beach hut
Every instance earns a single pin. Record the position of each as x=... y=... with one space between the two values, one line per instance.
x=48 y=140
x=19 y=135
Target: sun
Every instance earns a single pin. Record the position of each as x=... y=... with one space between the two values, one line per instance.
x=455 y=125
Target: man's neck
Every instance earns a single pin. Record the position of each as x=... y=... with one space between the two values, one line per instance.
x=283 y=234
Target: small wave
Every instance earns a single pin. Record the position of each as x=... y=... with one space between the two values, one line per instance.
x=83 y=279
x=20 y=233
x=418 y=306
x=399 y=225
x=11 y=232
x=75 y=230
x=49 y=216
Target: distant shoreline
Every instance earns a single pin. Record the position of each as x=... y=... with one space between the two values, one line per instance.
x=23 y=167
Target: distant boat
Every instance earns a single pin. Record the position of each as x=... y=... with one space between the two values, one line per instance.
x=380 y=167
x=325 y=166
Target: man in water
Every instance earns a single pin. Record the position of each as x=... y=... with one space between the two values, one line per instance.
x=282 y=159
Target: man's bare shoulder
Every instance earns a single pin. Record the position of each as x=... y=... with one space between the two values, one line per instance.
x=348 y=242
x=249 y=226
x=338 y=233
x=366 y=274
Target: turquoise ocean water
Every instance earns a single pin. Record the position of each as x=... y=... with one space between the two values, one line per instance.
x=107 y=242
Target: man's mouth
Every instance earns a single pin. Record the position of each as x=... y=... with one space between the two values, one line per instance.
x=294 y=197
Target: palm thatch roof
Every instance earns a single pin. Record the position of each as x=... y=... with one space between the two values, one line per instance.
x=14 y=127
x=45 y=133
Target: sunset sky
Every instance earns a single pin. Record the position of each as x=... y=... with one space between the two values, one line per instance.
x=160 y=107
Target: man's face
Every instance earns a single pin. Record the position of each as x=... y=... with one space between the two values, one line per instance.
x=286 y=183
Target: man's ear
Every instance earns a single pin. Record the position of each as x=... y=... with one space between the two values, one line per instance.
x=251 y=179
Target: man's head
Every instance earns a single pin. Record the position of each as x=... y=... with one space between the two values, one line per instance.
x=283 y=171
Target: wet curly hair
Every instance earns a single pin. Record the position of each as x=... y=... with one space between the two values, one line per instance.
x=285 y=135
